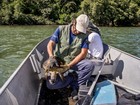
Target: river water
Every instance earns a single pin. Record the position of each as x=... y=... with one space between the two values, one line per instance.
x=17 y=41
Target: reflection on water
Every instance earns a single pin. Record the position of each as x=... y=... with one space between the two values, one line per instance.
x=17 y=41
x=124 y=38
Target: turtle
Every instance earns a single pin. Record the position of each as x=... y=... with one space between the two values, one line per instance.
x=54 y=71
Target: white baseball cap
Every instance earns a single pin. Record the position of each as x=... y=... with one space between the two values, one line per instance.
x=82 y=22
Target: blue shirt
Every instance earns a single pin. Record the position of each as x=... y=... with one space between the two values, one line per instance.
x=55 y=38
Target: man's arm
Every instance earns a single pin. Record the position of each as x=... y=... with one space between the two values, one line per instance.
x=54 y=39
x=78 y=58
x=83 y=53
x=50 y=47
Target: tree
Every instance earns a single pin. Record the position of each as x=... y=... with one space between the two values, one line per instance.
x=112 y=12
x=101 y=12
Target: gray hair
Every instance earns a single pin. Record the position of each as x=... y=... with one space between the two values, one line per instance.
x=93 y=28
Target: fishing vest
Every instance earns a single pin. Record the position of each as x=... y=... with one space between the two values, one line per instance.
x=64 y=50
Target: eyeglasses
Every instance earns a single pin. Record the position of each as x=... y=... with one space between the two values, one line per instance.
x=75 y=31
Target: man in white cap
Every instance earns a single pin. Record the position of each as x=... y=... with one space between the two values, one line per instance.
x=71 y=45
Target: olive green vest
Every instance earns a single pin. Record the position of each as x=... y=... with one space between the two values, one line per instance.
x=67 y=51
x=64 y=50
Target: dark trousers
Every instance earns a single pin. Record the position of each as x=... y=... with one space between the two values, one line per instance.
x=84 y=70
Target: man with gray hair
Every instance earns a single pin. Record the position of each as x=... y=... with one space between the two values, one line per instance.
x=95 y=42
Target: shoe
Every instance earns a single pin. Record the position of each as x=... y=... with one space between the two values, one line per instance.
x=74 y=94
x=83 y=90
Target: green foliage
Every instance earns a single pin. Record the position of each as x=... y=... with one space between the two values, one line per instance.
x=63 y=19
x=101 y=12
x=112 y=12
x=6 y=13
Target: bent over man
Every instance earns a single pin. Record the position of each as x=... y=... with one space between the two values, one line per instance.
x=71 y=45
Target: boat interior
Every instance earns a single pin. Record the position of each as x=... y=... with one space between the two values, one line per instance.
x=120 y=69
x=113 y=69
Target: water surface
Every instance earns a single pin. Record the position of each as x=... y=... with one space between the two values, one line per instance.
x=15 y=43
x=124 y=38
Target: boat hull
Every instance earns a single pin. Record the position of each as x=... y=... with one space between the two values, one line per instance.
x=23 y=87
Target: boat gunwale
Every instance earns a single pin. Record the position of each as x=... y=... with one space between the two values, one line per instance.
x=131 y=55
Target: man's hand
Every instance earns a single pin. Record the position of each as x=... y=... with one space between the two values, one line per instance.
x=53 y=62
x=65 y=67
x=50 y=63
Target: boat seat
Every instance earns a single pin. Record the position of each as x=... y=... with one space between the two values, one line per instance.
x=104 y=94
x=108 y=67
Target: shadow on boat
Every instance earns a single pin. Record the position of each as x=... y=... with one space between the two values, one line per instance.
x=54 y=97
x=60 y=96
x=119 y=70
